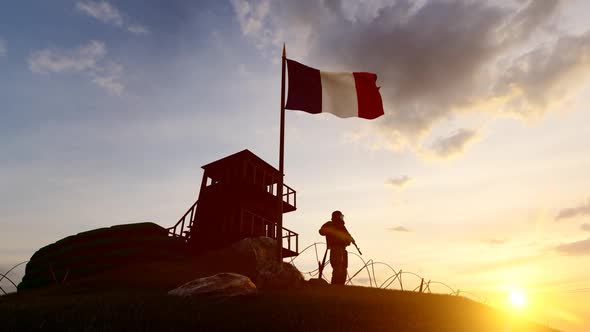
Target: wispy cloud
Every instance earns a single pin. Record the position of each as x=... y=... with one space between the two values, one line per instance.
x=501 y=264
x=580 y=210
x=585 y=227
x=138 y=29
x=88 y=59
x=401 y=229
x=109 y=78
x=109 y=14
x=54 y=60
x=578 y=248
x=102 y=11
x=362 y=281
x=400 y=181
x=454 y=144
x=3 y=48
x=251 y=15
x=494 y=242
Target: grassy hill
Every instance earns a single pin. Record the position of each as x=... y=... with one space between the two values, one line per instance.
x=116 y=307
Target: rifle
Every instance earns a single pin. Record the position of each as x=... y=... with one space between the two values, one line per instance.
x=357 y=248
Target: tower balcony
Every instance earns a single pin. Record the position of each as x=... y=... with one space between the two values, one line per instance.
x=289 y=196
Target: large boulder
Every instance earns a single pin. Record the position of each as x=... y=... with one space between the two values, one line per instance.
x=101 y=250
x=269 y=272
x=255 y=258
x=143 y=256
x=260 y=250
x=315 y=282
x=222 y=284
x=280 y=276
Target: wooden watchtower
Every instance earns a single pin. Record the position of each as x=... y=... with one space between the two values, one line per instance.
x=237 y=199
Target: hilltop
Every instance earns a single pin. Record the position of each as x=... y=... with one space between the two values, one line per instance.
x=134 y=297
x=327 y=308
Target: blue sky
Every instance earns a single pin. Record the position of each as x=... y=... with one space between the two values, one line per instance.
x=108 y=110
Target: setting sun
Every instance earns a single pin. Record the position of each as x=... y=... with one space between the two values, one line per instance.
x=517 y=298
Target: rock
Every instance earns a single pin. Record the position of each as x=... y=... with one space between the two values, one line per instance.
x=222 y=284
x=255 y=258
x=269 y=273
x=261 y=250
x=315 y=282
x=104 y=250
x=280 y=277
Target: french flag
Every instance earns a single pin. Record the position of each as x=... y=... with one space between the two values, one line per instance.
x=345 y=95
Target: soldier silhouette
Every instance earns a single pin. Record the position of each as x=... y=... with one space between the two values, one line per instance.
x=337 y=238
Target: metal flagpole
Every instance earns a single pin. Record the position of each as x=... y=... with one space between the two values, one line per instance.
x=281 y=161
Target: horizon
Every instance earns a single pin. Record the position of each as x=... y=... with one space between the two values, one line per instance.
x=476 y=176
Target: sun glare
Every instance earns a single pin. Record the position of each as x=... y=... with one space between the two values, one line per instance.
x=517 y=298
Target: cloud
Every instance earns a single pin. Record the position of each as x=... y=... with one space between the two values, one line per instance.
x=251 y=15
x=400 y=181
x=585 y=227
x=434 y=58
x=545 y=77
x=444 y=147
x=109 y=78
x=578 y=248
x=3 y=48
x=109 y=14
x=399 y=229
x=138 y=29
x=102 y=11
x=501 y=264
x=82 y=58
x=88 y=59
x=494 y=242
x=580 y=210
x=362 y=281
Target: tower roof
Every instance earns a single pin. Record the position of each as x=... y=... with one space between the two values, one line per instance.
x=237 y=159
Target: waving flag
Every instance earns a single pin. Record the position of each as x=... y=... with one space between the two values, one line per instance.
x=342 y=94
x=345 y=95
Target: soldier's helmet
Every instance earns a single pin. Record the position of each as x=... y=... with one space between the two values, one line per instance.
x=337 y=215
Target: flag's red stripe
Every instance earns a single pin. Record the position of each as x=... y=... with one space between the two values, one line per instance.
x=370 y=104
x=305 y=88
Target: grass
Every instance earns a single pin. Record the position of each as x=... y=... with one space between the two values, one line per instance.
x=80 y=307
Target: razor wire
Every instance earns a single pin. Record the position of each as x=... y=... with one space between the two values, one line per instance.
x=5 y=276
x=369 y=267
x=393 y=280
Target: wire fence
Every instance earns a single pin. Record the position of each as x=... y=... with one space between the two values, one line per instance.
x=394 y=279
x=5 y=276
x=382 y=275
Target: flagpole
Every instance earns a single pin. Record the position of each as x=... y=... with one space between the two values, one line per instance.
x=281 y=160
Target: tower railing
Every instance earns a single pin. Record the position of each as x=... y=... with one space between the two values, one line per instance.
x=254 y=222
x=287 y=236
x=289 y=194
x=185 y=222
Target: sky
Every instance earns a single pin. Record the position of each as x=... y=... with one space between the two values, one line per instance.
x=476 y=176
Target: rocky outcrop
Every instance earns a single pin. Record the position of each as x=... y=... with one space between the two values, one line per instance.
x=268 y=272
x=222 y=284
x=144 y=256
x=255 y=258
x=280 y=276
x=101 y=250
x=260 y=250
x=315 y=282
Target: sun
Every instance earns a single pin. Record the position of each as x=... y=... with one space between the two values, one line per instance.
x=517 y=299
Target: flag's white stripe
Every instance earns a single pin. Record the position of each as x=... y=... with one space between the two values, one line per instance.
x=339 y=94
